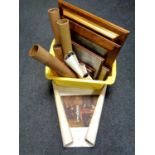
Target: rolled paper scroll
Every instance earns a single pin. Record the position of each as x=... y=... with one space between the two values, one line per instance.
x=39 y=53
x=72 y=61
x=65 y=36
x=54 y=15
x=90 y=69
x=84 y=69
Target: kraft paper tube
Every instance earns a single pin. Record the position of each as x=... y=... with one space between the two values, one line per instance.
x=54 y=15
x=72 y=61
x=58 y=52
x=39 y=53
x=94 y=123
x=65 y=36
x=64 y=126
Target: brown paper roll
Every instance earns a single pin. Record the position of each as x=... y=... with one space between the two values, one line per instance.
x=54 y=15
x=65 y=36
x=58 y=52
x=39 y=53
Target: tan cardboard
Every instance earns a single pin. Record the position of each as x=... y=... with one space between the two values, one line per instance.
x=39 y=53
x=58 y=52
x=65 y=36
x=54 y=15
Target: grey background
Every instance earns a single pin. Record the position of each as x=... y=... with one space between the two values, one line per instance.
x=39 y=128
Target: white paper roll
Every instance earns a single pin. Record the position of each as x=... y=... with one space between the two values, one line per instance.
x=72 y=61
x=83 y=68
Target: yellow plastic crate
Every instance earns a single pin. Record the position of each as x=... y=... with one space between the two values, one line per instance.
x=76 y=82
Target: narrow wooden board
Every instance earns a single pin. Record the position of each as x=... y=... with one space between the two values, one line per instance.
x=89 y=24
x=103 y=73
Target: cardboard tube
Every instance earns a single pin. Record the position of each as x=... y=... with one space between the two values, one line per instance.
x=54 y=15
x=58 y=52
x=65 y=36
x=72 y=61
x=90 y=69
x=39 y=53
x=84 y=69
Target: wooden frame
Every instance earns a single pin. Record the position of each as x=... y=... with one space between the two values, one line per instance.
x=88 y=26
x=111 y=47
x=80 y=136
x=89 y=44
x=122 y=33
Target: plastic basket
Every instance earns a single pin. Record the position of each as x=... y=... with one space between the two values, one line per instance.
x=76 y=82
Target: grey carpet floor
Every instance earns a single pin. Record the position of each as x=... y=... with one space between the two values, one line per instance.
x=39 y=128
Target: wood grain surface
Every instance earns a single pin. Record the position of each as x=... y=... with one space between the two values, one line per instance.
x=89 y=24
x=111 y=47
x=103 y=73
x=123 y=33
x=88 y=44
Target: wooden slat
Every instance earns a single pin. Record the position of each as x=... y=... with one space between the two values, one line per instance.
x=104 y=72
x=91 y=25
x=92 y=36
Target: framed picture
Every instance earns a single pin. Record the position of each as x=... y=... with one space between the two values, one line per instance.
x=79 y=112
